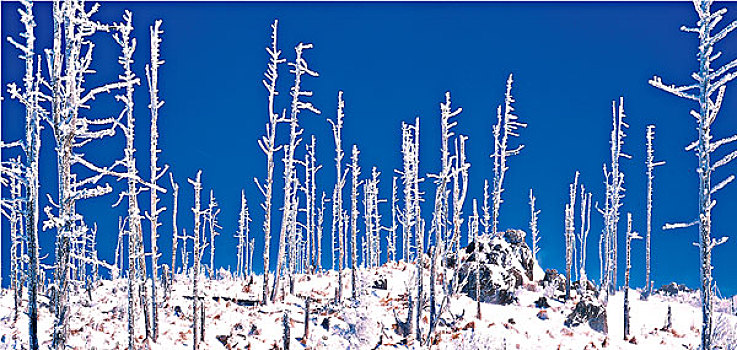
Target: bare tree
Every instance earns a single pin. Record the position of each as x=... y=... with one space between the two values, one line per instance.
x=584 y=231
x=340 y=173
x=614 y=180
x=570 y=233
x=391 y=253
x=31 y=144
x=136 y=259
x=630 y=236
x=709 y=80
x=310 y=189
x=505 y=127
x=17 y=256
x=355 y=173
x=372 y=219
x=299 y=68
x=534 y=233
x=486 y=218
x=474 y=232
x=268 y=146
x=212 y=220
x=69 y=61
x=444 y=176
x=197 y=252
x=650 y=164
x=320 y=221
x=411 y=221
x=175 y=230
x=242 y=265
x=152 y=77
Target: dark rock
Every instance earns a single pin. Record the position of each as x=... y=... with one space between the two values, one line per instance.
x=223 y=339
x=586 y=286
x=380 y=283
x=553 y=278
x=325 y=323
x=673 y=289
x=542 y=303
x=588 y=310
x=542 y=314
x=514 y=236
x=506 y=263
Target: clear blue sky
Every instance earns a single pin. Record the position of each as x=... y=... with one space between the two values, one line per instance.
x=394 y=61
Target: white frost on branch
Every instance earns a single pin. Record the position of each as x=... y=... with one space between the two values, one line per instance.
x=505 y=127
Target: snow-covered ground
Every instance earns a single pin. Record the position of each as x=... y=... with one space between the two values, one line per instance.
x=369 y=323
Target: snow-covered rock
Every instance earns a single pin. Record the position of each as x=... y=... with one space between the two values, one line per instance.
x=588 y=311
x=506 y=264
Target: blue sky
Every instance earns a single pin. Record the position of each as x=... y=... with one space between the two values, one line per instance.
x=395 y=61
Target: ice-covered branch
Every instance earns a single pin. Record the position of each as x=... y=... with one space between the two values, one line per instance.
x=679 y=91
x=670 y=226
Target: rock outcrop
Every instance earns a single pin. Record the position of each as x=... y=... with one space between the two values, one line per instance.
x=588 y=310
x=506 y=264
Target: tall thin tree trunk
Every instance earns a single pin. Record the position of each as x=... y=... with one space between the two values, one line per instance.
x=156 y=173
x=355 y=172
x=196 y=320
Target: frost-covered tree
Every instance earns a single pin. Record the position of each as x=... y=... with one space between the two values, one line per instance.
x=474 y=231
x=413 y=226
x=119 y=249
x=570 y=233
x=338 y=229
x=708 y=91
x=391 y=254
x=449 y=243
x=197 y=250
x=506 y=126
x=242 y=266
x=534 y=233
x=318 y=232
x=175 y=230
x=584 y=231
x=29 y=172
x=13 y=177
x=310 y=189
x=444 y=176
x=443 y=179
x=411 y=219
x=412 y=222
x=372 y=219
x=460 y=189
x=251 y=246
x=614 y=181
x=268 y=146
x=152 y=77
x=213 y=226
x=630 y=236
x=136 y=254
x=355 y=173
x=650 y=163
x=69 y=61
x=17 y=254
x=289 y=216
